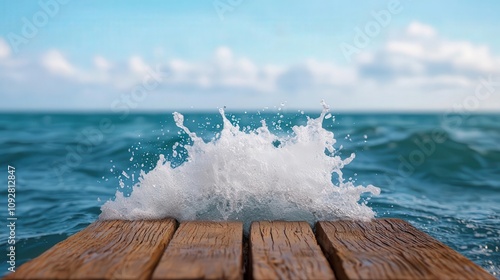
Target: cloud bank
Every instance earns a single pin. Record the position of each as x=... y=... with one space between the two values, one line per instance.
x=415 y=70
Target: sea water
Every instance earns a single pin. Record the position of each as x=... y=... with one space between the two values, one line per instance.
x=439 y=172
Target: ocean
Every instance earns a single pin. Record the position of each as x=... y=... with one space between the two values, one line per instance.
x=438 y=171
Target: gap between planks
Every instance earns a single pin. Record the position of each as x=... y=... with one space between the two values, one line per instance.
x=286 y=250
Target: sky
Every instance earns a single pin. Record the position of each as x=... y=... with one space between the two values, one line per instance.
x=70 y=55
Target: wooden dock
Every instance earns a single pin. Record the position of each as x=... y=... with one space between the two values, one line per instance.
x=163 y=249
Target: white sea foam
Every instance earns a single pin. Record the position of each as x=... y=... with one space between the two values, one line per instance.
x=242 y=175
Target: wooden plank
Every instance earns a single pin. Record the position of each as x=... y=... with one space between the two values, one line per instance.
x=286 y=250
x=104 y=250
x=391 y=249
x=203 y=250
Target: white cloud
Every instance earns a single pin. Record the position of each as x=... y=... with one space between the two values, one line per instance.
x=56 y=63
x=418 y=29
x=418 y=69
x=224 y=72
x=420 y=53
x=224 y=57
x=405 y=48
x=137 y=65
x=4 y=49
x=101 y=63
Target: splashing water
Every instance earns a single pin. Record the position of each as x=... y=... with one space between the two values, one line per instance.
x=248 y=175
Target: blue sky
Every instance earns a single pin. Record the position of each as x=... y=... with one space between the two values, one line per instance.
x=93 y=55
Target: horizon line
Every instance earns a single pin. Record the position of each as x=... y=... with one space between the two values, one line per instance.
x=249 y=110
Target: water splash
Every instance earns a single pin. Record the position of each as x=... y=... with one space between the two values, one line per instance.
x=249 y=175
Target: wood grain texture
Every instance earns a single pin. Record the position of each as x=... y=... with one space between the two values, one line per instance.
x=203 y=250
x=286 y=250
x=104 y=250
x=390 y=249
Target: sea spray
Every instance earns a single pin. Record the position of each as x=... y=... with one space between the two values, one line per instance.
x=248 y=175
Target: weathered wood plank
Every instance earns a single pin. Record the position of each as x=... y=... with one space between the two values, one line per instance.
x=286 y=250
x=390 y=249
x=104 y=250
x=203 y=250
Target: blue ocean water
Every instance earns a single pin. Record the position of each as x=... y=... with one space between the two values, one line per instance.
x=439 y=172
